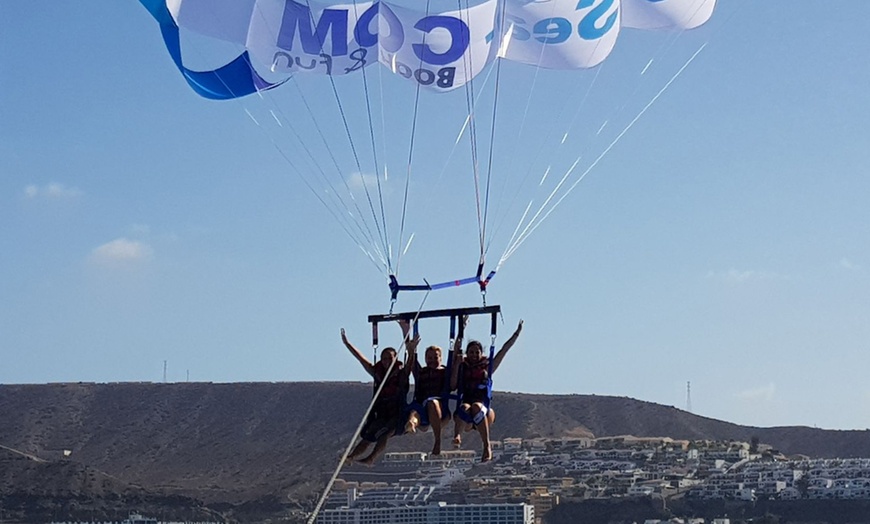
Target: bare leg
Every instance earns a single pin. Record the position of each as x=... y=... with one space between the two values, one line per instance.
x=458 y=427
x=413 y=422
x=483 y=429
x=380 y=445
x=359 y=449
x=434 y=410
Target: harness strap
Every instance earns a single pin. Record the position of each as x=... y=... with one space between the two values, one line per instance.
x=478 y=279
x=375 y=340
x=493 y=331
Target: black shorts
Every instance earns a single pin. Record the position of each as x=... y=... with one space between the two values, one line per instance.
x=379 y=425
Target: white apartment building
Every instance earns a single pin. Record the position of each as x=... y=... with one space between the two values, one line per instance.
x=440 y=513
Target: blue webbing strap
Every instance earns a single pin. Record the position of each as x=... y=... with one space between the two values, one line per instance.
x=446 y=396
x=395 y=287
x=375 y=340
x=493 y=327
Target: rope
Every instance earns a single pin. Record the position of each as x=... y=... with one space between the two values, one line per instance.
x=359 y=427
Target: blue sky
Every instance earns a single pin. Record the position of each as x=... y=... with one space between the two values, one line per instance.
x=722 y=241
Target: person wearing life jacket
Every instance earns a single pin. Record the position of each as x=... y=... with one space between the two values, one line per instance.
x=427 y=409
x=386 y=416
x=472 y=377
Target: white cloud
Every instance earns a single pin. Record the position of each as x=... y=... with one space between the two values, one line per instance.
x=758 y=394
x=361 y=180
x=736 y=276
x=845 y=263
x=51 y=191
x=121 y=251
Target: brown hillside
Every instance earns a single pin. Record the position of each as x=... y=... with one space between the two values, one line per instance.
x=273 y=443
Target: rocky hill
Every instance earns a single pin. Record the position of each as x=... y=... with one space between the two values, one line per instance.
x=252 y=450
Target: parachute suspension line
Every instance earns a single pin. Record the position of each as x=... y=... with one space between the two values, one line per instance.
x=331 y=211
x=548 y=139
x=326 y=490
x=534 y=222
x=293 y=166
x=383 y=119
x=485 y=249
x=336 y=195
x=349 y=135
x=535 y=77
x=385 y=238
x=358 y=165
x=472 y=134
x=475 y=156
x=539 y=150
x=410 y=155
x=662 y=50
x=360 y=216
x=464 y=127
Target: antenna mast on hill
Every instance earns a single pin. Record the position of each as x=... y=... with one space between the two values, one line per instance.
x=689 y=397
x=164 y=372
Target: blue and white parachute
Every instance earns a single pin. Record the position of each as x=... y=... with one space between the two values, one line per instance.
x=528 y=134
x=441 y=49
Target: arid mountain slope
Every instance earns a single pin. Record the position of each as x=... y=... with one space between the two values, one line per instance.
x=226 y=445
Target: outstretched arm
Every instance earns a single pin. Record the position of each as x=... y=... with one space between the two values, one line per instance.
x=411 y=358
x=368 y=366
x=507 y=345
x=411 y=344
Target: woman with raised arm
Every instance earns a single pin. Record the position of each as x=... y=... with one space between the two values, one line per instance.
x=472 y=377
x=386 y=416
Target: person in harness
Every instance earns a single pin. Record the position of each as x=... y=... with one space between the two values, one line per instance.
x=386 y=416
x=472 y=377
x=429 y=407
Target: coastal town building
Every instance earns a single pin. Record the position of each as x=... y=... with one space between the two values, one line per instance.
x=439 y=513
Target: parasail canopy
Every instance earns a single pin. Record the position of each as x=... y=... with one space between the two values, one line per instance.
x=439 y=44
x=429 y=46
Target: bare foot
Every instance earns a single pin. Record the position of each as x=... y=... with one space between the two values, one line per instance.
x=413 y=422
x=436 y=449
x=486 y=456
x=457 y=442
x=368 y=462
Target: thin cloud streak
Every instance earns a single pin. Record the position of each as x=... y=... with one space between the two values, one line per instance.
x=847 y=264
x=51 y=191
x=758 y=394
x=121 y=251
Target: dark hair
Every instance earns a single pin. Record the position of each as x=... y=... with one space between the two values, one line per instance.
x=474 y=343
x=390 y=349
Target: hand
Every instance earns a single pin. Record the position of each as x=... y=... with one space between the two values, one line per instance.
x=519 y=327
x=343 y=336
